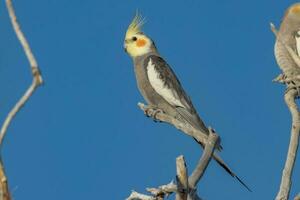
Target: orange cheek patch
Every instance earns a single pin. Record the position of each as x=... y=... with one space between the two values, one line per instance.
x=140 y=42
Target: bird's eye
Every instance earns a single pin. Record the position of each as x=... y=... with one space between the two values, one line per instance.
x=134 y=38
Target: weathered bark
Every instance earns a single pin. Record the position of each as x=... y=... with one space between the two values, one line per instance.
x=286 y=179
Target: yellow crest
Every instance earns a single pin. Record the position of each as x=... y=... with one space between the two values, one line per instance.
x=135 y=26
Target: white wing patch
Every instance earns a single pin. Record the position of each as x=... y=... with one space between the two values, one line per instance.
x=298 y=42
x=159 y=87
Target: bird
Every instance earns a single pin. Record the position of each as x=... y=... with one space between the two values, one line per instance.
x=288 y=36
x=160 y=86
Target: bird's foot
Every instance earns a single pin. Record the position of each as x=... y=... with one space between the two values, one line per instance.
x=152 y=111
x=292 y=81
x=283 y=78
x=293 y=85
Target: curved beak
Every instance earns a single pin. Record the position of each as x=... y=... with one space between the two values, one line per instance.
x=125 y=48
x=125 y=45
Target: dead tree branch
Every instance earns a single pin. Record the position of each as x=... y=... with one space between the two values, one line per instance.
x=286 y=180
x=213 y=140
x=186 y=188
x=138 y=196
x=157 y=193
x=182 y=179
x=37 y=81
x=37 y=78
x=290 y=100
x=189 y=130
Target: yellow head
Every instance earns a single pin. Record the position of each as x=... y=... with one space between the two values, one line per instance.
x=136 y=42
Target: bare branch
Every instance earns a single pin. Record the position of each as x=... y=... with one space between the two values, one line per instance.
x=193 y=195
x=182 y=179
x=32 y=61
x=157 y=193
x=213 y=140
x=189 y=130
x=164 y=190
x=37 y=81
x=290 y=97
x=186 y=187
x=137 y=196
x=286 y=182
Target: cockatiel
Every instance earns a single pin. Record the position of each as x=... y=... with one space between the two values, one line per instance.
x=159 y=85
x=288 y=35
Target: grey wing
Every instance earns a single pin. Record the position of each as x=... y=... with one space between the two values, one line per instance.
x=284 y=59
x=287 y=35
x=166 y=84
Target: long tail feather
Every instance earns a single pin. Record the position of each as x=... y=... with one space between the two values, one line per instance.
x=220 y=161
x=223 y=164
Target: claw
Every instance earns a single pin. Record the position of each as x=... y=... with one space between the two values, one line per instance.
x=152 y=112
x=155 y=112
x=293 y=85
x=281 y=78
x=147 y=112
x=292 y=81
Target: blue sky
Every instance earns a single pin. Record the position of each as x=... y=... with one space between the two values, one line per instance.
x=82 y=136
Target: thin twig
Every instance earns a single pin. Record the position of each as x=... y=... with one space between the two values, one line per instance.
x=37 y=78
x=4 y=191
x=30 y=56
x=157 y=193
x=37 y=81
x=164 y=190
x=138 y=196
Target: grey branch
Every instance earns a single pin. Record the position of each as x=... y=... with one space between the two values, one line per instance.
x=164 y=190
x=157 y=193
x=213 y=140
x=189 y=130
x=182 y=179
x=138 y=196
x=186 y=186
x=37 y=81
x=37 y=78
x=290 y=98
x=286 y=181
